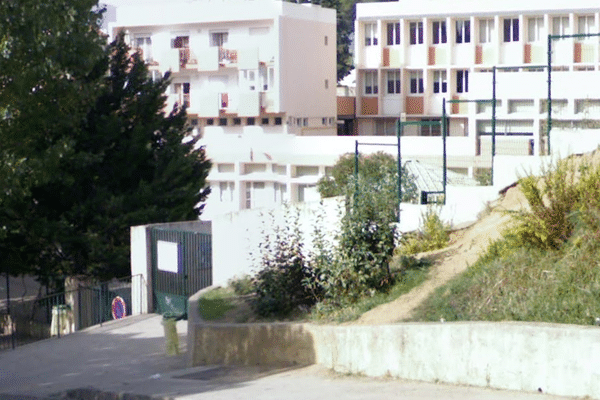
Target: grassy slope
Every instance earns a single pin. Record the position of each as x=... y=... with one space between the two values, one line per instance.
x=509 y=283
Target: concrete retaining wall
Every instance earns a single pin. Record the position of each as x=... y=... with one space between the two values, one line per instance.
x=558 y=359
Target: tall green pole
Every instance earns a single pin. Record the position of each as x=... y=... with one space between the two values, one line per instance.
x=355 y=169
x=398 y=134
x=549 y=124
x=493 y=120
x=445 y=161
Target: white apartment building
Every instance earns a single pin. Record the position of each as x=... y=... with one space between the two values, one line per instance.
x=252 y=73
x=410 y=55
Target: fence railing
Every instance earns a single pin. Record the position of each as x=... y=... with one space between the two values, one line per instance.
x=59 y=314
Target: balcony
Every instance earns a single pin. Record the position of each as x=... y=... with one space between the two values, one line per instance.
x=227 y=56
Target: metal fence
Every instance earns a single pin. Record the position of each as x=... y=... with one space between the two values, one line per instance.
x=24 y=321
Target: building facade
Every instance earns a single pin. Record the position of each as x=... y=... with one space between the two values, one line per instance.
x=251 y=73
x=409 y=56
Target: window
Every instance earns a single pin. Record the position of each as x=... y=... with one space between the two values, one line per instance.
x=325 y=40
x=416 y=32
x=535 y=30
x=237 y=121
x=463 y=31
x=264 y=121
x=180 y=42
x=393 y=33
x=278 y=121
x=226 y=191
x=248 y=77
x=586 y=24
x=326 y=83
x=393 y=82
x=253 y=193
x=416 y=82
x=218 y=39
x=183 y=44
x=440 y=84
x=438 y=30
x=144 y=45
x=250 y=121
x=222 y=121
x=371 y=86
x=210 y=122
x=486 y=30
x=371 y=34
x=182 y=93
x=431 y=130
x=279 y=192
x=560 y=26
x=511 y=30
x=462 y=81
x=304 y=121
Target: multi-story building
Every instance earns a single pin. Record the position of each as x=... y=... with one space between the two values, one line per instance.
x=409 y=56
x=251 y=73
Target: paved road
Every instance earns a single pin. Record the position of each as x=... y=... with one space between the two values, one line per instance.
x=128 y=356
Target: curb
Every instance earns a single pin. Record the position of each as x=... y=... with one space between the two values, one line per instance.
x=95 y=394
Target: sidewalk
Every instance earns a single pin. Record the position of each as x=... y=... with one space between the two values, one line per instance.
x=128 y=356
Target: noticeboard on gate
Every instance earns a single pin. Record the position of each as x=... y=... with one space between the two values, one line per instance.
x=167 y=256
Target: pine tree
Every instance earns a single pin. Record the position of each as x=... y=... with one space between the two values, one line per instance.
x=128 y=165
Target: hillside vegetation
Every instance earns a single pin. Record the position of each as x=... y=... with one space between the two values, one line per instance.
x=546 y=265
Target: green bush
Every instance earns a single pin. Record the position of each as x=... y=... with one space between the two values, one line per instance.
x=280 y=283
x=359 y=266
x=554 y=199
x=375 y=168
x=432 y=235
x=242 y=286
x=214 y=304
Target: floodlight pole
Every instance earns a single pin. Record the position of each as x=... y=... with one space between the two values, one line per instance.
x=355 y=169
x=444 y=127
x=493 y=120
x=549 y=105
x=398 y=135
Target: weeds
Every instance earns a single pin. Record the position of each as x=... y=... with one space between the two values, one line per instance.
x=433 y=235
x=547 y=265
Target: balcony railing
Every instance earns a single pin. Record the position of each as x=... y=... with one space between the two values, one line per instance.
x=227 y=56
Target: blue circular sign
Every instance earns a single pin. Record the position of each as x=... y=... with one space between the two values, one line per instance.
x=118 y=307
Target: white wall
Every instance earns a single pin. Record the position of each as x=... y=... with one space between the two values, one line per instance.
x=141 y=294
x=236 y=237
x=554 y=358
x=462 y=207
x=509 y=169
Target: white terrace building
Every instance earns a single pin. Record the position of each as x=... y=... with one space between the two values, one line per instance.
x=248 y=71
x=412 y=54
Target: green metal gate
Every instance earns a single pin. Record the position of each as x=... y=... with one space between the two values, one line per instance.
x=181 y=265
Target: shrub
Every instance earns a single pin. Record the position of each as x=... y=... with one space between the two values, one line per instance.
x=242 y=285
x=375 y=168
x=554 y=199
x=432 y=235
x=360 y=264
x=280 y=283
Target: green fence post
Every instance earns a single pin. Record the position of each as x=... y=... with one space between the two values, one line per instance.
x=398 y=135
x=549 y=124
x=445 y=161
x=493 y=121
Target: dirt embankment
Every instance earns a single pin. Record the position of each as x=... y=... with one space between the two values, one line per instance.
x=465 y=248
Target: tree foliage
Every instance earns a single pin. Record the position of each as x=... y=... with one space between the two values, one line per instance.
x=49 y=53
x=282 y=282
x=121 y=162
x=373 y=169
